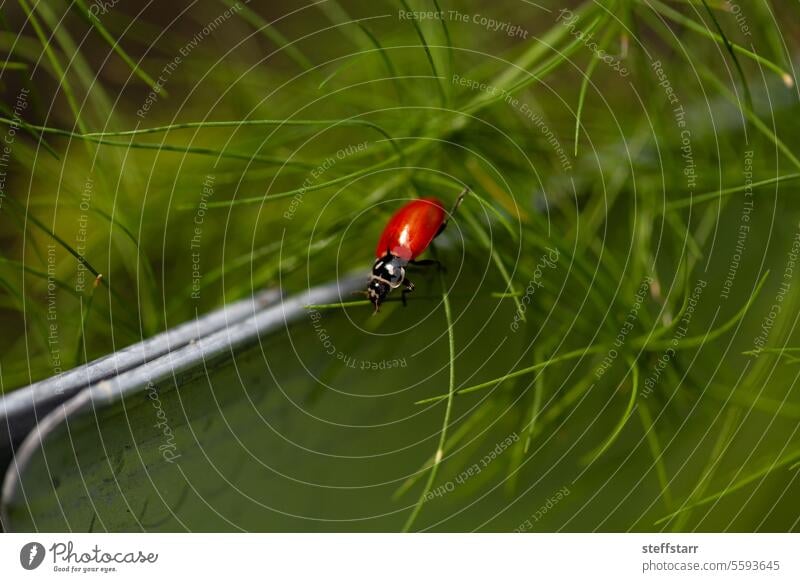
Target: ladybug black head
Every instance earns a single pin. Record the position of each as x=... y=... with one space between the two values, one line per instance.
x=377 y=290
x=388 y=273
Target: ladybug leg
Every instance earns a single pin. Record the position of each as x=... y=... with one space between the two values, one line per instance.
x=360 y=293
x=458 y=202
x=428 y=263
x=409 y=288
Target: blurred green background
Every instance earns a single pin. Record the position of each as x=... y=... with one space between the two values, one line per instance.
x=622 y=282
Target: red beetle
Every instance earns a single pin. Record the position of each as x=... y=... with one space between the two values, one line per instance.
x=406 y=236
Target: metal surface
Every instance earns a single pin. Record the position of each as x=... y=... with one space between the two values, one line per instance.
x=104 y=381
x=21 y=409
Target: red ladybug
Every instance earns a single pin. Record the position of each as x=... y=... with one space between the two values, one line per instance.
x=406 y=236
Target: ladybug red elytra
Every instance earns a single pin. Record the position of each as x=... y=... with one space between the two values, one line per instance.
x=406 y=236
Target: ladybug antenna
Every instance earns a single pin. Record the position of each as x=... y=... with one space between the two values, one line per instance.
x=459 y=200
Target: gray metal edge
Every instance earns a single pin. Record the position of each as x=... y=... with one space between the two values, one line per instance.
x=109 y=390
x=25 y=405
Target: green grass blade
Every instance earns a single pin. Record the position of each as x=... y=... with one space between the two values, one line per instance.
x=448 y=409
x=582 y=98
x=302 y=190
x=729 y=48
x=115 y=46
x=751 y=116
x=462 y=431
x=679 y=18
x=709 y=196
x=496 y=259
x=585 y=84
x=338 y=15
x=269 y=30
x=521 y=372
x=448 y=40
x=13 y=66
x=720 y=446
x=604 y=446
x=656 y=452
x=54 y=62
x=162 y=147
x=535 y=77
x=80 y=344
x=62 y=243
x=428 y=55
x=246 y=123
x=37 y=136
x=536 y=407
x=390 y=68
x=760 y=474
x=695 y=341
